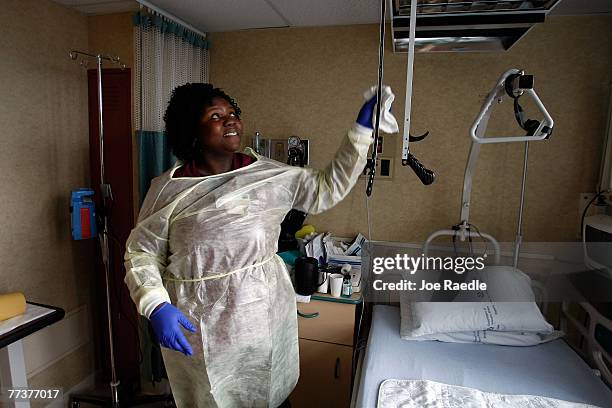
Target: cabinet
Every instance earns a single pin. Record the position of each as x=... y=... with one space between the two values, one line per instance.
x=326 y=328
x=117 y=117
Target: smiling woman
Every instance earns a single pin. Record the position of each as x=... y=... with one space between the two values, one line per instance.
x=203 y=254
x=203 y=127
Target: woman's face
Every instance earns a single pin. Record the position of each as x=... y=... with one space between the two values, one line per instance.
x=220 y=128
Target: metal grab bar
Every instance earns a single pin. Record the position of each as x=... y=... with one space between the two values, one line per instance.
x=452 y=233
x=600 y=356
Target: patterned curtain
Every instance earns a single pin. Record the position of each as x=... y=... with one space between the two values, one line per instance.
x=167 y=55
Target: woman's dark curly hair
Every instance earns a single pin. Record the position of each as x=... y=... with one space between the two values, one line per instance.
x=184 y=113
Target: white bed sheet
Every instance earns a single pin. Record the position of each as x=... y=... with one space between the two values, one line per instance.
x=551 y=370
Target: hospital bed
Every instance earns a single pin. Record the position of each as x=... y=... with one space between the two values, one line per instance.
x=551 y=369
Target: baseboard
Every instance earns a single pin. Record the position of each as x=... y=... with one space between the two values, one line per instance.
x=85 y=385
x=51 y=344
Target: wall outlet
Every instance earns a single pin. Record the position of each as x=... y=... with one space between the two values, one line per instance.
x=278 y=150
x=384 y=168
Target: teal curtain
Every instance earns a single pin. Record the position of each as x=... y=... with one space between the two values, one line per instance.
x=154 y=158
x=160 y=66
x=146 y=20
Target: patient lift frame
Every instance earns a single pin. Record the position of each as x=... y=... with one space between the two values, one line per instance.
x=513 y=83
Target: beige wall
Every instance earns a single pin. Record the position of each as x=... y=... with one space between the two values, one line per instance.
x=309 y=81
x=44 y=155
x=112 y=34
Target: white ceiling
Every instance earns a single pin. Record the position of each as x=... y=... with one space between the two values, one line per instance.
x=231 y=15
x=96 y=7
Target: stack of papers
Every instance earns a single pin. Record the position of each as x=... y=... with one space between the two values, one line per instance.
x=323 y=246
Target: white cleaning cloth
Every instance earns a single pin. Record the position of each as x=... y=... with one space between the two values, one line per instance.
x=388 y=123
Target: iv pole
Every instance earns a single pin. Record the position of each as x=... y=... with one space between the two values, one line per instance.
x=107 y=197
x=103 y=236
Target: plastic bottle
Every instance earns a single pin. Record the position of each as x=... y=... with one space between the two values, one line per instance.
x=347 y=286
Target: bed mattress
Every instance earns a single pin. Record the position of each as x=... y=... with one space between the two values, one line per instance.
x=551 y=370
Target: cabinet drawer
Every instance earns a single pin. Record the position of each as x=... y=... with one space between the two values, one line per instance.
x=325 y=376
x=335 y=322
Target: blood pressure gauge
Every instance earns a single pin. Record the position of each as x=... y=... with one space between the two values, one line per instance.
x=294 y=142
x=295 y=153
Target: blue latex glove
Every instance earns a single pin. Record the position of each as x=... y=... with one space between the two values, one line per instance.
x=167 y=321
x=365 y=116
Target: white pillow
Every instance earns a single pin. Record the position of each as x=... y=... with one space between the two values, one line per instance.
x=491 y=337
x=424 y=318
x=506 y=323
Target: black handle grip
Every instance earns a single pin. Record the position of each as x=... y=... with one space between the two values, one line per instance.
x=308 y=315
x=337 y=368
x=425 y=175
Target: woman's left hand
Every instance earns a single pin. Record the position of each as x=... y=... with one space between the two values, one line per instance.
x=366 y=113
x=366 y=116
x=167 y=321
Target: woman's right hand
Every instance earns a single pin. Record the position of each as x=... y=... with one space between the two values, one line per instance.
x=167 y=321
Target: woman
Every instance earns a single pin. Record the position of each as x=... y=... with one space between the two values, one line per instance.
x=203 y=251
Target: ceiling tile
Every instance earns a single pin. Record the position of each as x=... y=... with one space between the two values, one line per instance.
x=328 y=12
x=108 y=8
x=93 y=7
x=231 y=15
x=226 y=15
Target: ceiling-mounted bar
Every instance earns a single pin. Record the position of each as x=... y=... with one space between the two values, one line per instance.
x=381 y=60
x=409 y=76
x=425 y=175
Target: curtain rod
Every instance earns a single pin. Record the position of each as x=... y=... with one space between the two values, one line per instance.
x=171 y=17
